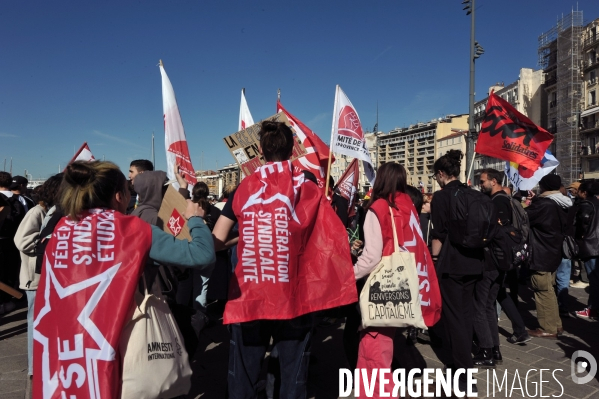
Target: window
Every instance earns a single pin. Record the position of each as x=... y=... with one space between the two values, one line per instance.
x=592 y=98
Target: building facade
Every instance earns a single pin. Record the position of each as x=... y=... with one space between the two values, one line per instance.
x=589 y=116
x=415 y=147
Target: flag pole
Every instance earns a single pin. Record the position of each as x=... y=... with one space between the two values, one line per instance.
x=326 y=190
x=470 y=169
x=278 y=94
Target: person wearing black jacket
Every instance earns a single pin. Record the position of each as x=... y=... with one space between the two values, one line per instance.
x=587 y=234
x=548 y=217
x=459 y=268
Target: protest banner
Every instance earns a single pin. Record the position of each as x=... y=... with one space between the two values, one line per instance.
x=243 y=145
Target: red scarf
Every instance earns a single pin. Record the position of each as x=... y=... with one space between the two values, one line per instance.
x=91 y=269
x=409 y=236
x=293 y=252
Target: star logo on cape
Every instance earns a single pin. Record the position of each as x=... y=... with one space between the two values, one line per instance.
x=103 y=352
x=256 y=198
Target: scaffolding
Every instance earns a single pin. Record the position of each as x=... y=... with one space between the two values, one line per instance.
x=560 y=56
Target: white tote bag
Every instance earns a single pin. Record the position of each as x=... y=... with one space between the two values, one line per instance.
x=391 y=297
x=155 y=363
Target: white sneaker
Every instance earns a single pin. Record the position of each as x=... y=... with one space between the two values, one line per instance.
x=579 y=284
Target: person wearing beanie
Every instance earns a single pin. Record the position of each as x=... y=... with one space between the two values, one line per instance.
x=548 y=214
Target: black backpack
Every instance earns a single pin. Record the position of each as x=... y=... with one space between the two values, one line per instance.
x=472 y=219
x=511 y=246
x=10 y=218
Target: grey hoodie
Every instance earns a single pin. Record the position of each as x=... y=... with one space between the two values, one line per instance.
x=560 y=199
x=149 y=186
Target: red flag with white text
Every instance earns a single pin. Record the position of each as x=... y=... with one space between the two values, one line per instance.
x=347 y=186
x=177 y=151
x=507 y=134
x=84 y=298
x=293 y=258
x=317 y=158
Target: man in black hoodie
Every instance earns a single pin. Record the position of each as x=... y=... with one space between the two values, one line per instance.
x=548 y=218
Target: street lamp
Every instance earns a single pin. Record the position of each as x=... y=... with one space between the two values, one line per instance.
x=476 y=50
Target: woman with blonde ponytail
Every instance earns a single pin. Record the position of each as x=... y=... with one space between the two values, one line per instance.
x=92 y=265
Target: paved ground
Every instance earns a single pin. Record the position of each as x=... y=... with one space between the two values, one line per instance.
x=210 y=362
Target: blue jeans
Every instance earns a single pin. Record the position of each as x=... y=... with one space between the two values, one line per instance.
x=249 y=343
x=30 y=302
x=562 y=283
x=591 y=266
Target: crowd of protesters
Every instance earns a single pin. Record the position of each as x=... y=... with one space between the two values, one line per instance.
x=555 y=233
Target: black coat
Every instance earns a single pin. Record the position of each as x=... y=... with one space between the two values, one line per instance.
x=587 y=228
x=548 y=221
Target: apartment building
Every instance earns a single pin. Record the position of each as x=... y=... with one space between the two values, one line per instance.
x=415 y=147
x=589 y=116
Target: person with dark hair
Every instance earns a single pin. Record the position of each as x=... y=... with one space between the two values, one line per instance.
x=19 y=188
x=271 y=205
x=12 y=212
x=391 y=197
x=139 y=166
x=94 y=197
x=548 y=216
x=25 y=240
x=490 y=289
x=459 y=268
x=587 y=238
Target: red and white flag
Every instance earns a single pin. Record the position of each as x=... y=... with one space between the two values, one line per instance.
x=84 y=154
x=317 y=152
x=177 y=151
x=245 y=117
x=347 y=137
x=347 y=186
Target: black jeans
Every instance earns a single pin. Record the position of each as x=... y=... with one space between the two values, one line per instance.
x=510 y=308
x=485 y=311
x=458 y=313
x=249 y=343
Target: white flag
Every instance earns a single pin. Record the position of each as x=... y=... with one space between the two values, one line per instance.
x=347 y=137
x=524 y=179
x=84 y=154
x=177 y=151
x=245 y=118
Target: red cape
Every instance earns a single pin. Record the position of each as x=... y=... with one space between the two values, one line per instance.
x=91 y=269
x=293 y=251
x=409 y=236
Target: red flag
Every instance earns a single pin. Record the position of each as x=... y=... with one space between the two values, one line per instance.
x=411 y=238
x=507 y=134
x=84 y=154
x=347 y=186
x=316 y=160
x=293 y=258
x=91 y=269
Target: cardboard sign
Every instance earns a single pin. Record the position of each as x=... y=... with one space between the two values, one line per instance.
x=243 y=145
x=170 y=217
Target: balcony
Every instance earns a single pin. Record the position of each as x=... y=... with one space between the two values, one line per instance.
x=553 y=104
x=590 y=42
x=590 y=64
x=550 y=81
x=588 y=127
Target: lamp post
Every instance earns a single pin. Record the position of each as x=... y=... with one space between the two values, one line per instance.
x=476 y=51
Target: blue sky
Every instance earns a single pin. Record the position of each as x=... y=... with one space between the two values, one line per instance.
x=75 y=71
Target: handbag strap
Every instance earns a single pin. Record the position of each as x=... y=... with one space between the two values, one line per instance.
x=395 y=240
